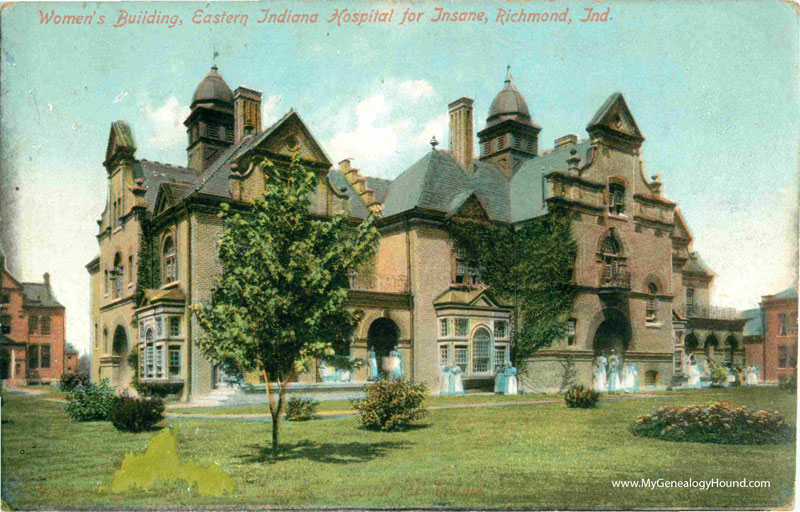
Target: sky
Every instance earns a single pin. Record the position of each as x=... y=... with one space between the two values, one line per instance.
x=712 y=86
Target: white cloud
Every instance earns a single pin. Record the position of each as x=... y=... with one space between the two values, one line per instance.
x=387 y=127
x=165 y=129
x=270 y=109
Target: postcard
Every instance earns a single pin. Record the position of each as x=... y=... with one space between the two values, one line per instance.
x=410 y=255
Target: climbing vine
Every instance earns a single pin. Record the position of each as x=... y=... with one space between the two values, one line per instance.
x=530 y=266
x=148 y=272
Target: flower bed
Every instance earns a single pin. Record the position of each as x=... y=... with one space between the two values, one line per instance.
x=719 y=422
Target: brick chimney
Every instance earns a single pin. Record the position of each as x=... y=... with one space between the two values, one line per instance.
x=461 y=135
x=246 y=112
x=47 y=279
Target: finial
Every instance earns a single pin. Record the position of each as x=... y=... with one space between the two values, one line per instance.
x=508 y=73
x=434 y=143
x=214 y=58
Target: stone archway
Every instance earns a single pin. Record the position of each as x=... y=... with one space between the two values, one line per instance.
x=120 y=349
x=382 y=338
x=613 y=333
x=711 y=345
x=731 y=344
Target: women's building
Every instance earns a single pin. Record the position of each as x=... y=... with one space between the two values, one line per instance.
x=642 y=289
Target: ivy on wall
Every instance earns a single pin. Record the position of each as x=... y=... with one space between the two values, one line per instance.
x=529 y=266
x=148 y=272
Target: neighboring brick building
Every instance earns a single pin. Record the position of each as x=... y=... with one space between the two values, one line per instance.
x=32 y=324
x=643 y=291
x=773 y=345
x=71 y=359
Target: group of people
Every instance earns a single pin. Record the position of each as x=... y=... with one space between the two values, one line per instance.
x=391 y=365
x=611 y=374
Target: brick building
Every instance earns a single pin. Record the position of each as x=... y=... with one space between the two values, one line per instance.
x=32 y=323
x=773 y=345
x=643 y=290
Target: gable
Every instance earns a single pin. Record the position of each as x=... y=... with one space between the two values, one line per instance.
x=681 y=230
x=120 y=140
x=8 y=281
x=473 y=209
x=291 y=135
x=615 y=116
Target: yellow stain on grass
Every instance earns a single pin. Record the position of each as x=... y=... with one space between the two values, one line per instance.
x=161 y=463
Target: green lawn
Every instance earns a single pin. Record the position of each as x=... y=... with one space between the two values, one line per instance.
x=526 y=455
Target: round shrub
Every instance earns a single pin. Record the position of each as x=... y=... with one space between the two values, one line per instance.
x=580 y=396
x=136 y=414
x=90 y=402
x=788 y=384
x=70 y=381
x=391 y=405
x=301 y=409
x=720 y=423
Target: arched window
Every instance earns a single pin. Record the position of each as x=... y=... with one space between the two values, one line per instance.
x=116 y=277
x=651 y=313
x=481 y=343
x=105 y=340
x=170 y=274
x=130 y=269
x=614 y=271
x=616 y=199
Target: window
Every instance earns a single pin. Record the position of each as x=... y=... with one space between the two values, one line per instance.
x=466 y=270
x=174 y=361
x=690 y=300
x=500 y=329
x=572 y=329
x=677 y=361
x=213 y=131
x=149 y=354
x=116 y=277
x=45 y=349
x=444 y=355
x=614 y=263
x=160 y=361
x=462 y=327
x=487 y=147
x=170 y=261
x=130 y=269
x=787 y=357
x=460 y=357
x=33 y=324
x=5 y=298
x=616 y=199
x=174 y=326
x=783 y=324
x=5 y=322
x=651 y=314
x=229 y=133
x=141 y=361
x=105 y=339
x=105 y=283
x=500 y=355
x=480 y=351
x=444 y=327
x=501 y=142
x=45 y=325
x=33 y=357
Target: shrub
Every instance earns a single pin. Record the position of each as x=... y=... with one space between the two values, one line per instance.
x=580 y=396
x=133 y=363
x=788 y=384
x=719 y=374
x=391 y=404
x=136 y=414
x=719 y=422
x=301 y=409
x=91 y=402
x=70 y=381
x=159 y=389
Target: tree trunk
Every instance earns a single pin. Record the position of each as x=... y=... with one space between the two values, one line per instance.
x=274 y=412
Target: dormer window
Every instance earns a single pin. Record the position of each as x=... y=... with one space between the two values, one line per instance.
x=616 y=199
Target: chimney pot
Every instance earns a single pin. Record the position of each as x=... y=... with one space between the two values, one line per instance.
x=47 y=278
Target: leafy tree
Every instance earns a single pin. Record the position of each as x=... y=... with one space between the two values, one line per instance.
x=280 y=300
x=530 y=266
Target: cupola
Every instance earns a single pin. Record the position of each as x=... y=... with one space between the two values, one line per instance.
x=210 y=126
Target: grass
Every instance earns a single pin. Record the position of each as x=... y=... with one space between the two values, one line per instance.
x=345 y=406
x=527 y=456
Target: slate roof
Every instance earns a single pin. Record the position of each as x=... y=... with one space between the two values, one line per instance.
x=753 y=326
x=527 y=193
x=696 y=265
x=39 y=295
x=788 y=293
x=156 y=174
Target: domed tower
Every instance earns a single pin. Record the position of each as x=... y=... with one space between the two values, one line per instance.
x=510 y=137
x=210 y=125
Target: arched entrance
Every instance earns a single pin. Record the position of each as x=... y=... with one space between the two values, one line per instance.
x=382 y=339
x=731 y=344
x=711 y=345
x=613 y=334
x=119 y=348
